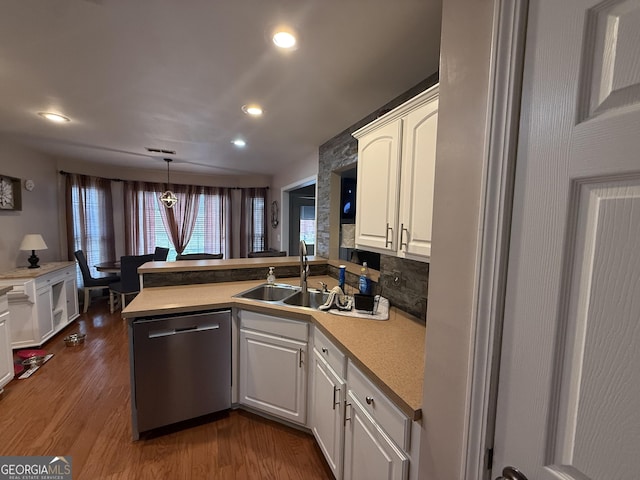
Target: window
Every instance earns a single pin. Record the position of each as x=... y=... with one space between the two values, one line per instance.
x=146 y=228
x=90 y=220
x=258 y=238
x=206 y=236
x=308 y=224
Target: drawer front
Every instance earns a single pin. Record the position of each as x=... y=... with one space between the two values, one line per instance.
x=395 y=423
x=274 y=325
x=329 y=352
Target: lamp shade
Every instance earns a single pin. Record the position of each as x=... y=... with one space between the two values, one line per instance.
x=33 y=241
x=348 y=235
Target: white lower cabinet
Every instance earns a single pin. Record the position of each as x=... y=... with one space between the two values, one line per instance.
x=369 y=453
x=273 y=365
x=327 y=392
x=361 y=433
x=6 y=356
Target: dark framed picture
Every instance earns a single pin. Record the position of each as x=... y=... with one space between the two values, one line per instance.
x=10 y=197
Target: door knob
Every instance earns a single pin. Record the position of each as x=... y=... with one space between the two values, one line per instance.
x=512 y=473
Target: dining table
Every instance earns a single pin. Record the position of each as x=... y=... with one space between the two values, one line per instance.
x=108 y=267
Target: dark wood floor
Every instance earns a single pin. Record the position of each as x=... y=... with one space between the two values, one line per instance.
x=77 y=404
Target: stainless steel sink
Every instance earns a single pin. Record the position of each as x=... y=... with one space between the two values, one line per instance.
x=269 y=292
x=310 y=299
x=285 y=295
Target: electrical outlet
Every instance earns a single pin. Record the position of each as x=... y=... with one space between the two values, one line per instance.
x=396 y=278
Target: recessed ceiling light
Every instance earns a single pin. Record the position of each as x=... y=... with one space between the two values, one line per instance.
x=54 y=117
x=253 y=110
x=238 y=142
x=284 y=39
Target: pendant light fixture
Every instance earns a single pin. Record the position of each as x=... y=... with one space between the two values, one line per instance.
x=168 y=198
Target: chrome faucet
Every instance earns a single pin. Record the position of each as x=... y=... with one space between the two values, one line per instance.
x=304 y=266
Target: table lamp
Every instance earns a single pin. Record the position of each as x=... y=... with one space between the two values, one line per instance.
x=33 y=242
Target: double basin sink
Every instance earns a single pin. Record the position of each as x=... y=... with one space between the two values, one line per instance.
x=282 y=294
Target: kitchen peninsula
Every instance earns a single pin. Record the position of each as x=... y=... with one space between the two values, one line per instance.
x=391 y=351
x=382 y=362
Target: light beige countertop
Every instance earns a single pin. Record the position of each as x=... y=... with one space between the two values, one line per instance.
x=26 y=272
x=390 y=352
x=224 y=264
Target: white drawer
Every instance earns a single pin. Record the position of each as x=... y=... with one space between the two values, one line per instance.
x=395 y=423
x=329 y=352
x=274 y=325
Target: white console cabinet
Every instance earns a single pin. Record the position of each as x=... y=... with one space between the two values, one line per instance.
x=41 y=302
x=6 y=358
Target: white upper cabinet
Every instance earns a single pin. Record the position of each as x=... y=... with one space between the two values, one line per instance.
x=377 y=192
x=396 y=165
x=418 y=172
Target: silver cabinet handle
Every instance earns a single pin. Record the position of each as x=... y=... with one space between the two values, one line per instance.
x=300 y=362
x=325 y=350
x=402 y=230
x=335 y=390
x=388 y=242
x=369 y=400
x=344 y=422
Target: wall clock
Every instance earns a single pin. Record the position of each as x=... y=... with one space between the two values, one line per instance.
x=10 y=198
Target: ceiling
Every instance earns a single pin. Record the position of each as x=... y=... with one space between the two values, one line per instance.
x=174 y=75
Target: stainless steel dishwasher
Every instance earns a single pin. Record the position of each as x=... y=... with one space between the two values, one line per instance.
x=180 y=367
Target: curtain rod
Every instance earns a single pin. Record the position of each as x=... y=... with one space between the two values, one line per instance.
x=62 y=172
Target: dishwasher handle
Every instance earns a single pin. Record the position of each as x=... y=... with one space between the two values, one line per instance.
x=177 y=331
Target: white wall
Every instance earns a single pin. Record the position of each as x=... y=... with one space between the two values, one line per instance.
x=463 y=121
x=40 y=213
x=293 y=173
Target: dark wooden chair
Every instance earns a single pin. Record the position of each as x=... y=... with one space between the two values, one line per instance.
x=89 y=282
x=129 y=283
x=160 y=254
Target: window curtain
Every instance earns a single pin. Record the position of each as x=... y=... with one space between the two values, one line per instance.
x=140 y=205
x=216 y=218
x=253 y=218
x=89 y=218
x=180 y=220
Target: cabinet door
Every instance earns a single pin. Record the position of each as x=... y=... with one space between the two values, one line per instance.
x=377 y=193
x=44 y=309
x=6 y=357
x=369 y=454
x=71 y=289
x=418 y=171
x=273 y=375
x=327 y=412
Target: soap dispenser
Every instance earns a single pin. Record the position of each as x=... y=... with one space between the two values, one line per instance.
x=271 y=278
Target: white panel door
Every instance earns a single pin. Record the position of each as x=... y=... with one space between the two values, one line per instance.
x=273 y=375
x=369 y=453
x=569 y=387
x=418 y=179
x=377 y=192
x=327 y=412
